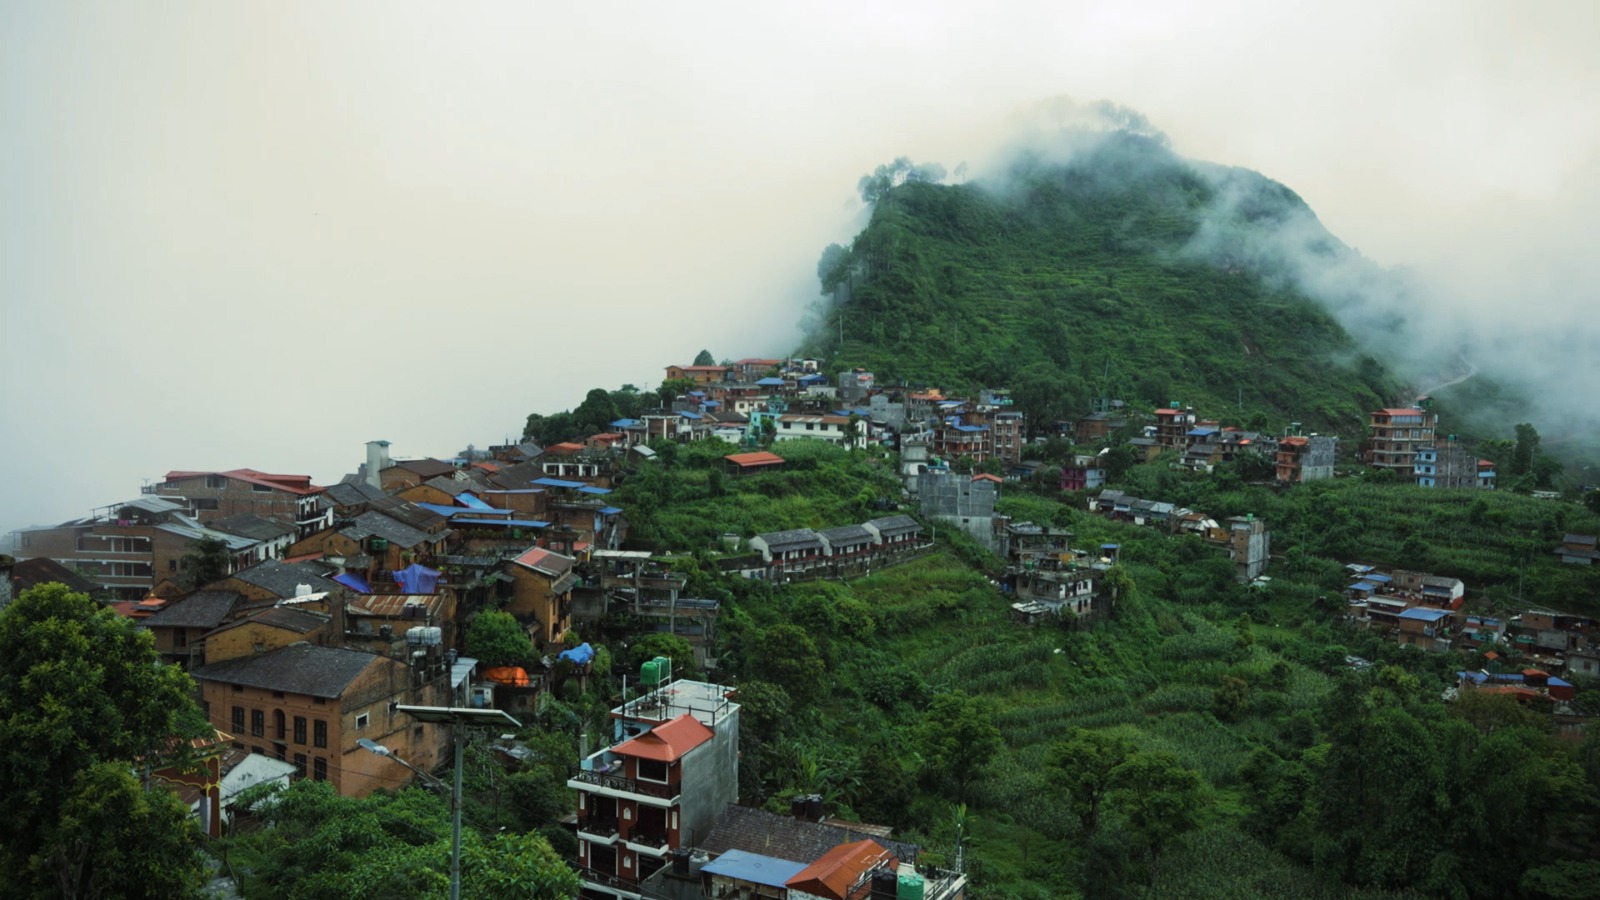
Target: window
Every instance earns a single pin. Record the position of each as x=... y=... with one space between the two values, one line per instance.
x=361 y=721
x=320 y=769
x=299 y=729
x=180 y=638
x=260 y=488
x=319 y=701
x=319 y=734
x=172 y=565
x=300 y=765
x=216 y=481
x=652 y=770
x=203 y=503
x=258 y=722
x=277 y=695
x=238 y=719
x=238 y=689
x=279 y=724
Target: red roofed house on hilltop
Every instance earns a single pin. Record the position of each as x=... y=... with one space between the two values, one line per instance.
x=217 y=495
x=842 y=873
x=660 y=788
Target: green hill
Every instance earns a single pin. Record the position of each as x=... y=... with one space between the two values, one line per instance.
x=1115 y=267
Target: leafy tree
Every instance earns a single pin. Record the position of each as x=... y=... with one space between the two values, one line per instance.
x=788 y=656
x=669 y=645
x=959 y=740
x=704 y=358
x=595 y=414
x=1083 y=764
x=1526 y=448
x=208 y=560
x=391 y=845
x=551 y=429
x=1160 y=799
x=497 y=639
x=673 y=388
x=82 y=696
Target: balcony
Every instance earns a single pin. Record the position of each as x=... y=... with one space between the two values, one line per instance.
x=578 y=776
x=608 y=880
x=651 y=842
x=597 y=829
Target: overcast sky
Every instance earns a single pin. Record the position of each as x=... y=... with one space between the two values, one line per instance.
x=262 y=234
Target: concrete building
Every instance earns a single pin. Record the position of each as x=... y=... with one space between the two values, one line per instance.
x=1394 y=437
x=671 y=769
x=1305 y=458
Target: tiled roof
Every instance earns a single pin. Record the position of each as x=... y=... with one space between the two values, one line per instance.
x=833 y=874
x=667 y=742
x=353 y=493
x=545 y=561
x=30 y=573
x=376 y=524
x=303 y=669
x=892 y=525
x=288 y=618
x=282 y=578
x=426 y=468
x=759 y=458
x=786 y=837
x=799 y=537
x=252 y=526
x=847 y=534
x=206 y=609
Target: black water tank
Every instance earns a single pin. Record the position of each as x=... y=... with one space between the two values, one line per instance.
x=814 y=807
x=797 y=806
x=680 y=862
x=885 y=884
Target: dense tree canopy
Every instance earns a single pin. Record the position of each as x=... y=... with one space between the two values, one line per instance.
x=83 y=697
x=497 y=639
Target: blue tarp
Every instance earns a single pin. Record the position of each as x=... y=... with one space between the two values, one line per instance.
x=764 y=870
x=1424 y=614
x=610 y=510
x=417 y=579
x=580 y=654
x=624 y=423
x=353 y=582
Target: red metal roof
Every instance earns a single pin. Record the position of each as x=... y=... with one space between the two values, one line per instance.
x=293 y=484
x=835 y=871
x=667 y=742
x=759 y=458
x=1408 y=411
x=985 y=476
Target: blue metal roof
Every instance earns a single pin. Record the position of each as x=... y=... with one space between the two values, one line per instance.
x=471 y=501
x=556 y=482
x=769 y=382
x=697 y=393
x=1380 y=579
x=970 y=428
x=624 y=423
x=765 y=870
x=514 y=523
x=591 y=489
x=815 y=378
x=1424 y=614
x=441 y=509
x=690 y=415
x=1201 y=432
x=1362 y=586
x=610 y=510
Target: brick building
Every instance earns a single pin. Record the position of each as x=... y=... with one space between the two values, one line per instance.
x=215 y=495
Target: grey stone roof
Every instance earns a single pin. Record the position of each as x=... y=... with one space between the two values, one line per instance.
x=289 y=618
x=376 y=524
x=252 y=526
x=303 y=669
x=890 y=525
x=448 y=484
x=281 y=578
x=205 y=609
x=30 y=573
x=353 y=493
x=786 y=837
x=847 y=534
x=783 y=540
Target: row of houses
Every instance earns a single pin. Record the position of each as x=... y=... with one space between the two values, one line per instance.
x=845 y=549
x=1246 y=538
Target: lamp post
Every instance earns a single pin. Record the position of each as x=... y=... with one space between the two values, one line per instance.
x=459 y=719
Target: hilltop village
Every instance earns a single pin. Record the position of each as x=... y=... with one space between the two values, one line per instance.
x=308 y=614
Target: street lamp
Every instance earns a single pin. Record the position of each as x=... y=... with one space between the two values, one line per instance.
x=459 y=719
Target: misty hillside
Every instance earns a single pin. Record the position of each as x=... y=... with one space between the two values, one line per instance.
x=1112 y=266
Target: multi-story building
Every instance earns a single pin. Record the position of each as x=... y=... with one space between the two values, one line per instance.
x=1006 y=430
x=126 y=549
x=1394 y=437
x=216 y=495
x=1448 y=465
x=672 y=767
x=310 y=705
x=1173 y=426
x=1305 y=458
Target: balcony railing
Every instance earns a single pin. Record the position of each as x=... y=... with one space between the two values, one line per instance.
x=622 y=783
x=606 y=879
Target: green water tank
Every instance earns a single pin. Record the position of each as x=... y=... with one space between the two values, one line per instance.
x=912 y=886
x=664 y=668
x=650 y=673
